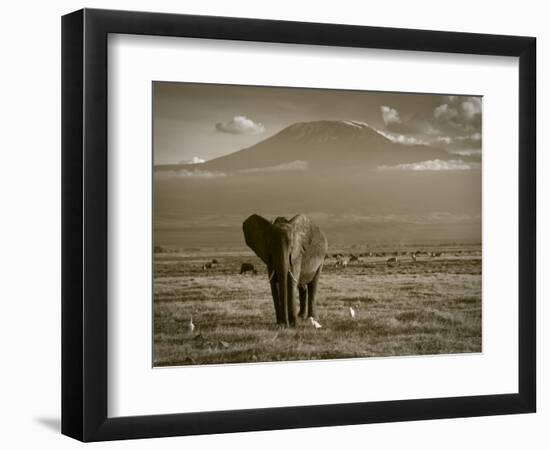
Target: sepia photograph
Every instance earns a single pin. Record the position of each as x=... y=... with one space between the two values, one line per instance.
x=296 y=224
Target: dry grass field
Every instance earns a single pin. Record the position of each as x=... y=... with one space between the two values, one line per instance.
x=431 y=306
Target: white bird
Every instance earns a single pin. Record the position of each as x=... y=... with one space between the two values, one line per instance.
x=315 y=324
x=352 y=312
x=191 y=325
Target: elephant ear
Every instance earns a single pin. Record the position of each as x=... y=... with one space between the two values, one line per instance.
x=255 y=230
x=309 y=242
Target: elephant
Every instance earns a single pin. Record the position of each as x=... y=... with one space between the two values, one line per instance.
x=248 y=267
x=293 y=251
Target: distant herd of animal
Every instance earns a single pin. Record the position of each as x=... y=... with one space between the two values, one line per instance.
x=341 y=260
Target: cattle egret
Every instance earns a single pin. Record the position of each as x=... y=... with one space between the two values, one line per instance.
x=314 y=323
x=191 y=325
x=352 y=312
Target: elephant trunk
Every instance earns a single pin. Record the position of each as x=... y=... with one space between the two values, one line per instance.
x=281 y=270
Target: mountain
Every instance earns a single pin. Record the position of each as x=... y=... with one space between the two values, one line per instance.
x=322 y=145
x=327 y=170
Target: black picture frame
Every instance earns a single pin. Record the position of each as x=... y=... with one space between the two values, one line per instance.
x=84 y=224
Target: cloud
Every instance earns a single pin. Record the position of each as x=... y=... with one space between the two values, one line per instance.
x=433 y=165
x=294 y=166
x=471 y=137
x=394 y=122
x=402 y=139
x=431 y=130
x=240 y=125
x=436 y=137
x=194 y=160
x=455 y=124
x=194 y=174
x=390 y=115
x=471 y=107
x=463 y=113
x=445 y=112
x=467 y=152
x=469 y=141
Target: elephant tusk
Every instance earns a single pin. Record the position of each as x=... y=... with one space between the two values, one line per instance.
x=293 y=277
x=272 y=274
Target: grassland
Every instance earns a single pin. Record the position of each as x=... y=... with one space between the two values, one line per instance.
x=431 y=306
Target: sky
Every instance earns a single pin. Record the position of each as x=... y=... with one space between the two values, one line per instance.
x=197 y=122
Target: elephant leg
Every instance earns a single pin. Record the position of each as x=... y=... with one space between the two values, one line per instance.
x=302 y=292
x=311 y=291
x=276 y=301
x=291 y=306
